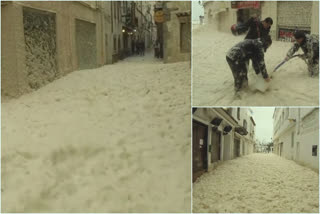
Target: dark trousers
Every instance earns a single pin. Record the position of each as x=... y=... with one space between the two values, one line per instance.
x=239 y=71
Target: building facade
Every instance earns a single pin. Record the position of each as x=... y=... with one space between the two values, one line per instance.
x=217 y=135
x=296 y=135
x=173 y=21
x=287 y=15
x=244 y=118
x=42 y=41
x=144 y=15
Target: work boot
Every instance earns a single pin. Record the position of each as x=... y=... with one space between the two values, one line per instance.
x=245 y=83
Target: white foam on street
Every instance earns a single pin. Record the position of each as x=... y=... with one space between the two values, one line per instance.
x=257 y=183
x=111 y=139
x=213 y=82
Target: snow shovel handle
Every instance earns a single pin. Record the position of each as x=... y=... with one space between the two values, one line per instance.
x=284 y=61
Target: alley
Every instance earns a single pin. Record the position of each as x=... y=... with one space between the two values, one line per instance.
x=111 y=139
x=213 y=81
x=257 y=183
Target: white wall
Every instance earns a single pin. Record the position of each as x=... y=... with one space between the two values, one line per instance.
x=315 y=20
x=309 y=136
x=306 y=134
x=269 y=9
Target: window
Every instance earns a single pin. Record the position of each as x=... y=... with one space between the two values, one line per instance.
x=245 y=124
x=238 y=113
x=292 y=139
x=314 y=150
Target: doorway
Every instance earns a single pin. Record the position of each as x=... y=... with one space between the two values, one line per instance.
x=199 y=149
x=215 y=145
x=236 y=147
x=281 y=149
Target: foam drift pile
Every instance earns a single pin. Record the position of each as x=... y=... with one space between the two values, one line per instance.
x=257 y=183
x=112 y=139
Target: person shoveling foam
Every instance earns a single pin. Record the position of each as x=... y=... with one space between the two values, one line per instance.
x=310 y=47
x=240 y=54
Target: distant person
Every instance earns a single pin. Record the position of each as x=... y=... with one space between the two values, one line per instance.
x=137 y=47
x=310 y=47
x=238 y=56
x=157 y=49
x=142 y=46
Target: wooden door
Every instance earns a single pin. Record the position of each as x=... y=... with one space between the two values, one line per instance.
x=199 y=149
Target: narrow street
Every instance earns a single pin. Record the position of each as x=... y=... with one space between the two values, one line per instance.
x=213 y=82
x=111 y=139
x=257 y=183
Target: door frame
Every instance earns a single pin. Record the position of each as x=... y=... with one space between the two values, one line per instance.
x=196 y=174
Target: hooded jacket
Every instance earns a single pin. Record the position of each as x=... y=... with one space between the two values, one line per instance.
x=310 y=48
x=249 y=49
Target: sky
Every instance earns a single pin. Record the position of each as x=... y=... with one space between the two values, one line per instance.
x=197 y=11
x=264 y=122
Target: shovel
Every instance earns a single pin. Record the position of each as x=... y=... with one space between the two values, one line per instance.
x=284 y=61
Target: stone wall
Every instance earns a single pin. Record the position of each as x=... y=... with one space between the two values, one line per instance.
x=172 y=33
x=40 y=44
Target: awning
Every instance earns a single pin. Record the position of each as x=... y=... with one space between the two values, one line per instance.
x=181 y=14
x=216 y=121
x=241 y=130
x=227 y=129
x=245 y=4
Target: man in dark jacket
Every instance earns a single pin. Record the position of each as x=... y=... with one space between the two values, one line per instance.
x=238 y=56
x=257 y=29
x=310 y=47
